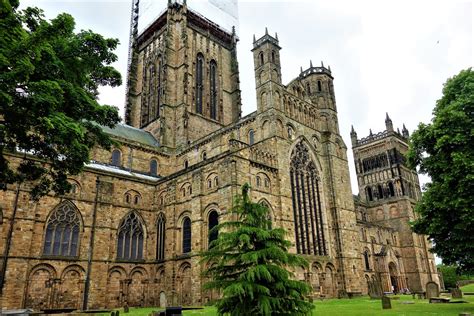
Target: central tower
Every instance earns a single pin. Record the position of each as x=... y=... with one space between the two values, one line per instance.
x=183 y=78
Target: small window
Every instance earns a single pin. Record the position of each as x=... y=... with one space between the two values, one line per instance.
x=183 y=192
x=216 y=181
x=186 y=164
x=73 y=189
x=366 y=260
x=251 y=137
x=137 y=199
x=153 y=167
x=290 y=132
x=319 y=86
x=258 y=181
x=204 y=156
x=186 y=235
x=209 y=183
x=212 y=222
x=267 y=183
x=190 y=190
x=127 y=198
x=273 y=56
x=308 y=88
x=116 y=158
x=261 y=58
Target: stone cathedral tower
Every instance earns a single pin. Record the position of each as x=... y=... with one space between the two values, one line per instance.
x=185 y=79
x=388 y=192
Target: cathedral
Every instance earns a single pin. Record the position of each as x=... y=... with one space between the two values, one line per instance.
x=132 y=227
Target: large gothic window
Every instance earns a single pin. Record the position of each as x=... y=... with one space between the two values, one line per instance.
x=130 y=238
x=62 y=231
x=307 y=207
x=213 y=89
x=199 y=82
x=213 y=222
x=186 y=235
x=160 y=240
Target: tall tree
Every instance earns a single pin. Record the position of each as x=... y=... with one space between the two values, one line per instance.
x=248 y=263
x=444 y=150
x=49 y=113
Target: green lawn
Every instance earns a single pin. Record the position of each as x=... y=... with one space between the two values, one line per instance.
x=359 y=306
x=468 y=288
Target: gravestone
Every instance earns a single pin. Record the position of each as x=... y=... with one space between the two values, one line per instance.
x=125 y=308
x=432 y=290
x=456 y=293
x=386 y=304
x=375 y=289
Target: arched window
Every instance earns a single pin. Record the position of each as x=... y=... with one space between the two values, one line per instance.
x=186 y=164
x=130 y=238
x=391 y=189
x=199 y=82
x=267 y=183
x=369 y=194
x=213 y=89
x=307 y=203
x=366 y=260
x=308 y=88
x=136 y=200
x=209 y=183
x=273 y=56
x=62 y=231
x=319 y=86
x=213 y=222
x=258 y=181
x=116 y=158
x=186 y=235
x=380 y=191
x=216 y=181
x=160 y=237
x=204 y=155
x=251 y=137
x=260 y=56
x=153 y=167
x=128 y=198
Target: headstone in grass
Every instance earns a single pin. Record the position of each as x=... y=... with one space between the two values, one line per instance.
x=432 y=290
x=386 y=304
x=125 y=308
x=456 y=293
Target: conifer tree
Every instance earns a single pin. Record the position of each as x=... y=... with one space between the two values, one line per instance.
x=249 y=264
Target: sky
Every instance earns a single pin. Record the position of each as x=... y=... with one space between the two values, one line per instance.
x=385 y=56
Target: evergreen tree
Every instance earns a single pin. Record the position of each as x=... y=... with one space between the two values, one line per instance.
x=49 y=79
x=444 y=150
x=248 y=263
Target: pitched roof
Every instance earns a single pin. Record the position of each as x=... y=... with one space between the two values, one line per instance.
x=132 y=134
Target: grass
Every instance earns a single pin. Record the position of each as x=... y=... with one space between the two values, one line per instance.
x=362 y=306
x=468 y=288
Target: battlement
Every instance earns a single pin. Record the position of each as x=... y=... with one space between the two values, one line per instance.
x=404 y=135
x=266 y=38
x=315 y=70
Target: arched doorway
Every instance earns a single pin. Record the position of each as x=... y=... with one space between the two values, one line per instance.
x=392 y=268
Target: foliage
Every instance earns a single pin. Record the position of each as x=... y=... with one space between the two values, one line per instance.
x=248 y=263
x=444 y=150
x=49 y=79
x=451 y=275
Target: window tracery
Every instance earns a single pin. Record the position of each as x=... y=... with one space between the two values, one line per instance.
x=307 y=206
x=130 y=238
x=62 y=231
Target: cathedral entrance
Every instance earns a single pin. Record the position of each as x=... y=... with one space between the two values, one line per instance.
x=394 y=277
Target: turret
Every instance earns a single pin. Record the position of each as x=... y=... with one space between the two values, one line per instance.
x=318 y=84
x=405 y=132
x=388 y=123
x=266 y=57
x=353 y=136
